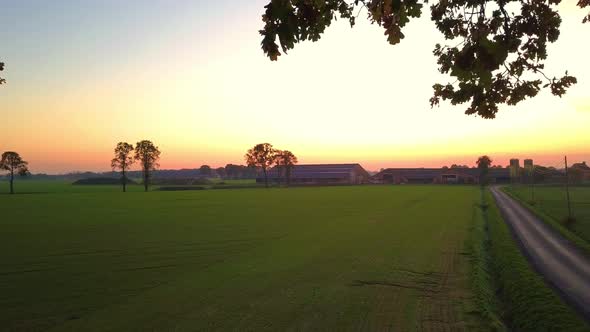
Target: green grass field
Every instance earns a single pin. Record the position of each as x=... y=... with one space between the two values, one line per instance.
x=62 y=186
x=59 y=187
x=324 y=258
x=551 y=200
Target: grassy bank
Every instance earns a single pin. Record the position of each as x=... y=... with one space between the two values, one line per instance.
x=482 y=276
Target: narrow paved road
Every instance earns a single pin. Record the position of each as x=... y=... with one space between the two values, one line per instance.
x=560 y=263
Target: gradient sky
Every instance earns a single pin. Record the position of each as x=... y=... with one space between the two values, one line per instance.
x=190 y=76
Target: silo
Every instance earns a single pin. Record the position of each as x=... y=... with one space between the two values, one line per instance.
x=514 y=170
x=528 y=165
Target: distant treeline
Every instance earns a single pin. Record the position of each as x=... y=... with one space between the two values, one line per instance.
x=230 y=171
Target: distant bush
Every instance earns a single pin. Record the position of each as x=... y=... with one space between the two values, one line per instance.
x=202 y=181
x=180 y=188
x=180 y=181
x=237 y=186
x=102 y=181
x=568 y=221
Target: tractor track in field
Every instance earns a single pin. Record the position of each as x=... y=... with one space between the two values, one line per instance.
x=439 y=295
x=437 y=307
x=560 y=263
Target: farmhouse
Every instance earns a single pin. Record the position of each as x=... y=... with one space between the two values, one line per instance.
x=320 y=174
x=458 y=175
x=580 y=172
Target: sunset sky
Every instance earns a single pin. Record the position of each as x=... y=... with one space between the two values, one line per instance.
x=190 y=76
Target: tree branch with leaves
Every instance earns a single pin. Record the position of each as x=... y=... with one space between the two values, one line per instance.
x=495 y=49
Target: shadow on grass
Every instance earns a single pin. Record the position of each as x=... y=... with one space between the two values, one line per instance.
x=25 y=193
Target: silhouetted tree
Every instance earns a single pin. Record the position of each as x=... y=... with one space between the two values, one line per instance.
x=263 y=156
x=483 y=163
x=148 y=155
x=220 y=172
x=14 y=164
x=2 y=81
x=240 y=171
x=278 y=165
x=122 y=161
x=205 y=170
x=285 y=159
x=495 y=53
x=232 y=171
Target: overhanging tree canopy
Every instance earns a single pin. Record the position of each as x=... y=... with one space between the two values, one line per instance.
x=495 y=49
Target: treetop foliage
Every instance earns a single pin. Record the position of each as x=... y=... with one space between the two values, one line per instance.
x=123 y=158
x=494 y=50
x=147 y=154
x=484 y=162
x=584 y=4
x=14 y=163
x=285 y=158
x=2 y=81
x=261 y=155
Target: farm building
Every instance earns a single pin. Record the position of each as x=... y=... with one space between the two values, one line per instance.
x=439 y=175
x=320 y=174
x=580 y=172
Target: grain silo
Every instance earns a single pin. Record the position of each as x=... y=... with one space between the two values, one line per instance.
x=514 y=170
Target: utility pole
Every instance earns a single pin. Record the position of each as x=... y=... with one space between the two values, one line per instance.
x=567 y=190
x=532 y=175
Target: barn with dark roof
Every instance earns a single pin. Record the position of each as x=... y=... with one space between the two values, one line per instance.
x=320 y=174
x=439 y=175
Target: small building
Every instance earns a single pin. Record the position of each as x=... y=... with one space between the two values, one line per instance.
x=328 y=174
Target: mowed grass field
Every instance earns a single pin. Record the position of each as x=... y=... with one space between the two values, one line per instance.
x=324 y=258
x=552 y=201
